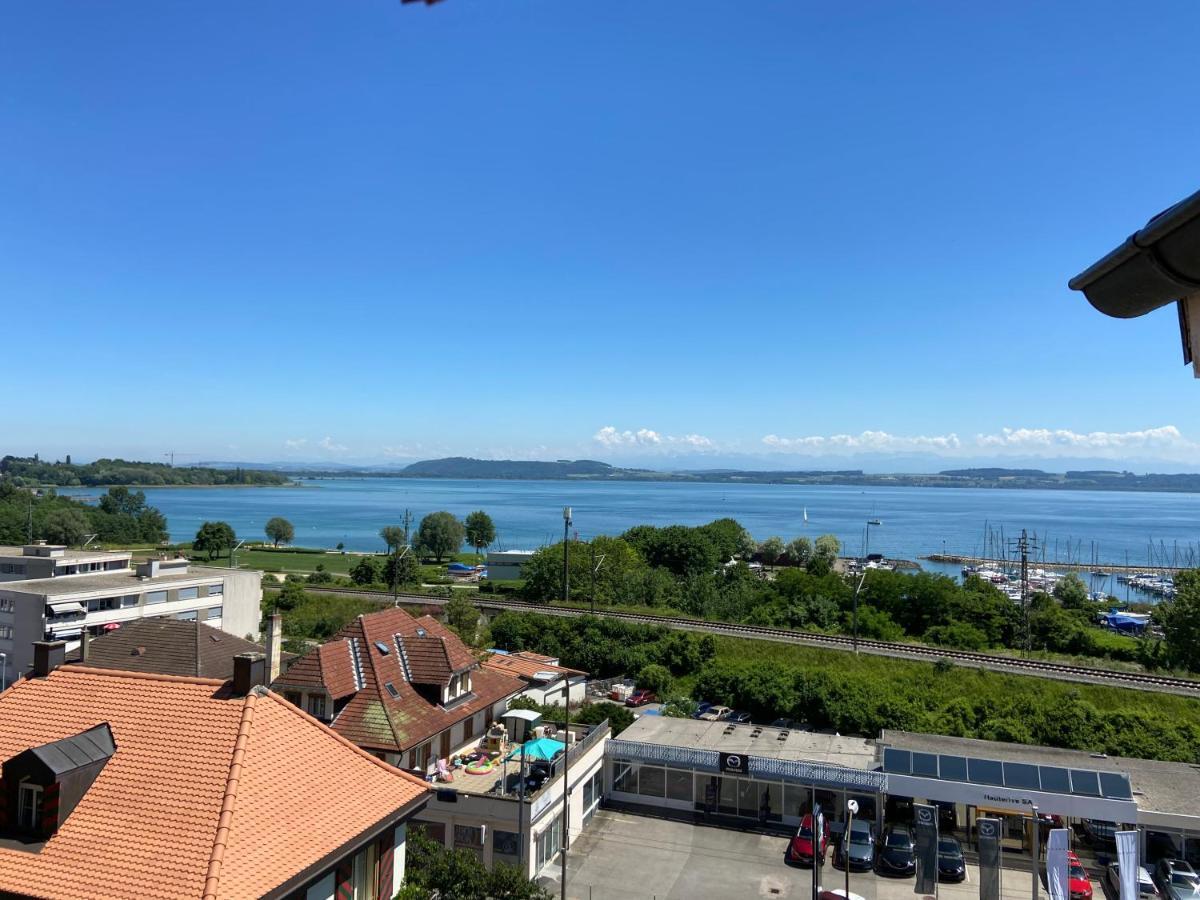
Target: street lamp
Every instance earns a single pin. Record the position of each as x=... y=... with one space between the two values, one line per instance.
x=862 y=576
x=851 y=809
x=566 y=535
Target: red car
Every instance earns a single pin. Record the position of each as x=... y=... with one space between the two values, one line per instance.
x=640 y=698
x=800 y=848
x=1078 y=883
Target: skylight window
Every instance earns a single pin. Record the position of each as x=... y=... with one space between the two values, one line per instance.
x=391 y=689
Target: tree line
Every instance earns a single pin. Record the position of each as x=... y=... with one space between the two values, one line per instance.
x=121 y=516
x=863 y=695
x=34 y=472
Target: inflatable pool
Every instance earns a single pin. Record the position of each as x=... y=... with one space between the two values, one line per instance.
x=480 y=767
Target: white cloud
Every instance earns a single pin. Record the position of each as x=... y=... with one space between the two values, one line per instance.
x=327 y=443
x=1166 y=442
x=866 y=442
x=645 y=438
x=295 y=442
x=1168 y=437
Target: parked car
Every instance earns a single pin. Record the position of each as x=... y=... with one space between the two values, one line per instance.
x=1177 y=880
x=715 y=713
x=641 y=697
x=856 y=849
x=951 y=865
x=800 y=848
x=739 y=717
x=701 y=708
x=784 y=723
x=1146 y=887
x=1079 y=885
x=896 y=854
x=1100 y=832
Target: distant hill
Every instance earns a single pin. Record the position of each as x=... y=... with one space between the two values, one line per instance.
x=464 y=467
x=995 y=473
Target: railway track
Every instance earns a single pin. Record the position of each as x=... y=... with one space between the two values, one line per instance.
x=1015 y=665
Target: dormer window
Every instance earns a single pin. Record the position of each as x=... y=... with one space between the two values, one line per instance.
x=41 y=786
x=29 y=805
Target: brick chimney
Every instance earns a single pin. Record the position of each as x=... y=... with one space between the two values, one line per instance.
x=274 y=643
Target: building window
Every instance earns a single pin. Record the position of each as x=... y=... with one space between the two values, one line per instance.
x=129 y=601
x=468 y=836
x=156 y=597
x=29 y=806
x=593 y=791
x=187 y=616
x=468 y=728
x=6 y=604
x=293 y=697
x=216 y=590
x=679 y=785
x=316 y=705
x=12 y=569
x=103 y=604
x=420 y=756
x=625 y=777
x=435 y=831
x=214 y=612
x=189 y=593
x=548 y=843
x=506 y=844
x=6 y=632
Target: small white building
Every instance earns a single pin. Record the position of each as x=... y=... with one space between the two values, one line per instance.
x=42 y=560
x=547 y=682
x=507 y=565
x=62 y=606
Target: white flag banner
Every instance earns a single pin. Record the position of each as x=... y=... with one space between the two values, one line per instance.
x=1127 y=863
x=1056 y=865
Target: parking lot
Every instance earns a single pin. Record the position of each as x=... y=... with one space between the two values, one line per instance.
x=622 y=855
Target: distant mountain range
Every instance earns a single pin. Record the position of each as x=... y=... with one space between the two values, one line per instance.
x=593 y=470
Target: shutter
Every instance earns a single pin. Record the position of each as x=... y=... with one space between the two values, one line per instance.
x=345 y=879
x=386 y=852
x=50 y=809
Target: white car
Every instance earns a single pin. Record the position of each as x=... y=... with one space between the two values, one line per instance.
x=1146 y=886
x=715 y=714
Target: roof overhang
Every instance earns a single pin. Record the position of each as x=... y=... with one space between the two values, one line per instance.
x=1153 y=267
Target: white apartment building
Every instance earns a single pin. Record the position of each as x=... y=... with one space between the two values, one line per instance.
x=98 y=591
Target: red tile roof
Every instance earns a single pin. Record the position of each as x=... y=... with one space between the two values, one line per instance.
x=208 y=795
x=522 y=667
x=373 y=717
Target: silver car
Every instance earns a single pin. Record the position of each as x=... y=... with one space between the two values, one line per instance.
x=1177 y=880
x=1146 y=888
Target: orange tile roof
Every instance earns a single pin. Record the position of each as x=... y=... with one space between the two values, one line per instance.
x=208 y=795
x=523 y=667
x=373 y=718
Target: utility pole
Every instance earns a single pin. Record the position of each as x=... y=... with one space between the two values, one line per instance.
x=566 y=822
x=566 y=535
x=1020 y=548
x=408 y=526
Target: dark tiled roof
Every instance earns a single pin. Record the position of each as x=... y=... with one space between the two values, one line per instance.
x=167 y=647
x=373 y=717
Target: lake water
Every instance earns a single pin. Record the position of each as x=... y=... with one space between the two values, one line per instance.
x=914 y=521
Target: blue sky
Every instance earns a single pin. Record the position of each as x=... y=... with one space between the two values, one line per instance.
x=679 y=230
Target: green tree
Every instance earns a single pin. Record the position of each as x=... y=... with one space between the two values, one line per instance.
x=1071 y=592
x=826 y=549
x=401 y=569
x=439 y=535
x=799 y=551
x=654 y=677
x=280 y=530
x=65 y=525
x=480 y=530
x=1180 y=621
x=367 y=570
x=394 y=536
x=463 y=618
x=617 y=576
x=433 y=872
x=770 y=550
x=214 y=537
x=680 y=550
x=730 y=539
x=290 y=596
